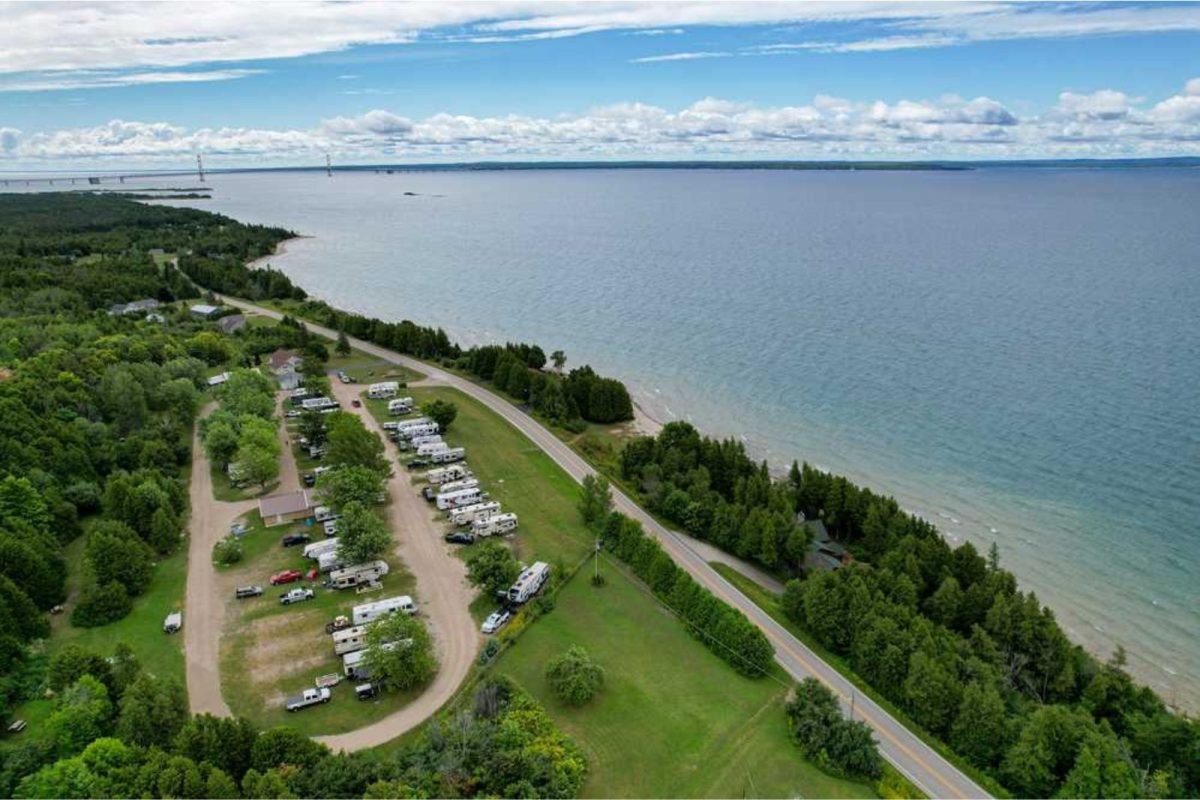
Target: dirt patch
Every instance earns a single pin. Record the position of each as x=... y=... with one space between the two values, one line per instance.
x=282 y=645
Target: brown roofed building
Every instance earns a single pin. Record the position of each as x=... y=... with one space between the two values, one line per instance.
x=279 y=509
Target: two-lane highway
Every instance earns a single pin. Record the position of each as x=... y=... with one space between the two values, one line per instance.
x=924 y=766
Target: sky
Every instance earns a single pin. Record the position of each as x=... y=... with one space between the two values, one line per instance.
x=150 y=85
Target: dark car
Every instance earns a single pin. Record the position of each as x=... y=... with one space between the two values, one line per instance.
x=293 y=539
x=310 y=479
x=460 y=537
x=366 y=691
x=428 y=493
x=356 y=403
x=418 y=462
x=243 y=592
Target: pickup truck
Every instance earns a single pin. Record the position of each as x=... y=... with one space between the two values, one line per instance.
x=309 y=697
x=296 y=596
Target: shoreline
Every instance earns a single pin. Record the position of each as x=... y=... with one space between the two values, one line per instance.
x=280 y=250
x=1096 y=637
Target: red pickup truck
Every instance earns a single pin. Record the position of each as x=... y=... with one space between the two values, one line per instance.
x=287 y=576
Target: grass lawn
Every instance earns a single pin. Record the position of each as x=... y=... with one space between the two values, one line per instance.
x=270 y=651
x=365 y=368
x=672 y=719
x=226 y=492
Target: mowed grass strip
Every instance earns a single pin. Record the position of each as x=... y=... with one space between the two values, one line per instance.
x=673 y=720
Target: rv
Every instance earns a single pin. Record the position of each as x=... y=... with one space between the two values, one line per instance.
x=405 y=424
x=325 y=514
x=401 y=405
x=454 y=486
x=431 y=448
x=449 y=456
x=355 y=664
x=442 y=475
x=328 y=562
x=369 y=612
x=348 y=640
x=358 y=574
x=420 y=429
x=318 y=549
x=463 y=497
x=528 y=583
x=495 y=525
x=468 y=514
x=317 y=403
x=378 y=391
x=417 y=441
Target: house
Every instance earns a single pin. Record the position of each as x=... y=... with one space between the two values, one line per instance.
x=217 y=380
x=279 y=509
x=136 y=307
x=155 y=317
x=824 y=553
x=205 y=310
x=285 y=366
x=232 y=323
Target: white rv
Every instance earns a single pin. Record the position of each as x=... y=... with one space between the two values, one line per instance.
x=348 y=640
x=454 y=486
x=529 y=582
x=463 y=497
x=369 y=612
x=325 y=514
x=401 y=405
x=468 y=514
x=437 y=477
x=317 y=403
x=431 y=448
x=318 y=549
x=405 y=424
x=417 y=441
x=328 y=562
x=422 y=429
x=495 y=525
x=358 y=574
x=449 y=456
x=355 y=664
x=378 y=391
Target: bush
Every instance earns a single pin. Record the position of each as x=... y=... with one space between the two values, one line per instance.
x=101 y=605
x=574 y=677
x=227 y=551
x=844 y=746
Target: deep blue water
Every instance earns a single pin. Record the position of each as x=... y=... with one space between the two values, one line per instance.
x=1014 y=353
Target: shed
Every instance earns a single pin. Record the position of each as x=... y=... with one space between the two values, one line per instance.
x=205 y=310
x=279 y=509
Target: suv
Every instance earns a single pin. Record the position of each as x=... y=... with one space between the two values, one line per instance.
x=460 y=537
x=296 y=596
x=293 y=539
x=310 y=479
x=287 y=576
x=243 y=592
x=428 y=493
x=496 y=621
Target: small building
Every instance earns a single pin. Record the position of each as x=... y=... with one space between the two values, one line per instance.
x=279 y=509
x=217 y=380
x=824 y=553
x=285 y=366
x=205 y=310
x=155 y=317
x=232 y=323
x=136 y=307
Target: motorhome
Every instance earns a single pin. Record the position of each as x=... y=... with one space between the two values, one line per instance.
x=437 y=477
x=318 y=549
x=449 y=456
x=468 y=514
x=454 y=486
x=401 y=405
x=417 y=441
x=463 y=497
x=369 y=612
x=379 y=391
x=328 y=562
x=358 y=574
x=431 y=448
x=529 y=582
x=421 y=429
x=348 y=640
x=317 y=403
x=495 y=525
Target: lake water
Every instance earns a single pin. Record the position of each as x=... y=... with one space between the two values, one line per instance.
x=1013 y=353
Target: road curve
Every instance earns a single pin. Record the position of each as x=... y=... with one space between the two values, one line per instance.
x=920 y=763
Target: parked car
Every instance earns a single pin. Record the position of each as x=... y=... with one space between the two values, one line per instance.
x=238 y=529
x=356 y=403
x=287 y=576
x=296 y=596
x=428 y=493
x=293 y=539
x=497 y=620
x=293 y=413
x=243 y=592
x=309 y=697
x=310 y=479
x=174 y=622
x=460 y=537
x=366 y=691
x=416 y=463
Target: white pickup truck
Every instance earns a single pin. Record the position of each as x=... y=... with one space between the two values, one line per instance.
x=295 y=596
x=309 y=697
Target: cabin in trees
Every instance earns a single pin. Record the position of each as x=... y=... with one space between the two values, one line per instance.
x=824 y=553
x=280 y=509
x=285 y=366
x=205 y=311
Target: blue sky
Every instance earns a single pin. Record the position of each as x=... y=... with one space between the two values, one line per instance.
x=286 y=83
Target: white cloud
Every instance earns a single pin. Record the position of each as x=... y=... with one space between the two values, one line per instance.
x=680 y=57
x=1102 y=123
x=102 y=79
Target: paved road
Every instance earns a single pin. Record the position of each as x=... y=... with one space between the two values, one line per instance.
x=443 y=595
x=920 y=763
x=204 y=608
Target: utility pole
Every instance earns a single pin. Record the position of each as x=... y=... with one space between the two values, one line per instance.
x=853 y=695
x=328 y=167
x=200 y=167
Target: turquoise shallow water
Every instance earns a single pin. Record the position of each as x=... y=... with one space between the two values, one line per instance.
x=1014 y=353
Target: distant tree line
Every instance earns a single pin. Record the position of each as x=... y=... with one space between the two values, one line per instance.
x=713 y=490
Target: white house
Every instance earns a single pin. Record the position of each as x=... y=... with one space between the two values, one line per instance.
x=285 y=366
x=204 y=310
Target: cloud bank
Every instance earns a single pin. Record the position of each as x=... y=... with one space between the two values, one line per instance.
x=1105 y=123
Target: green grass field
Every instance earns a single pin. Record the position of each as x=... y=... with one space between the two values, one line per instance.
x=674 y=720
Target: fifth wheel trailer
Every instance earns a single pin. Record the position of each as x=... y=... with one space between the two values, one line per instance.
x=529 y=582
x=468 y=514
x=318 y=549
x=449 y=456
x=369 y=612
x=358 y=574
x=437 y=477
x=348 y=640
x=496 y=525
x=463 y=497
